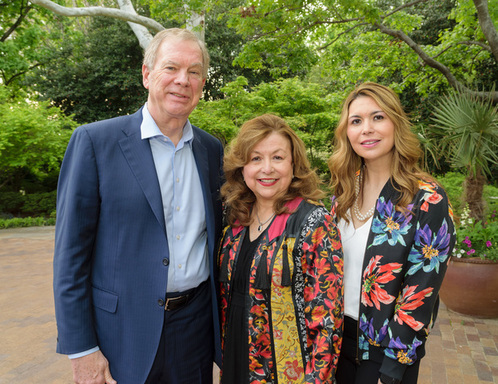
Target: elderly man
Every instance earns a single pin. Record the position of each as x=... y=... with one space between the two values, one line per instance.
x=138 y=220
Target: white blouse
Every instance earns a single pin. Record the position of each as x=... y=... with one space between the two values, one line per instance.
x=354 y=243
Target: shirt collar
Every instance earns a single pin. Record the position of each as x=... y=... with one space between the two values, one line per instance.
x=149 y=128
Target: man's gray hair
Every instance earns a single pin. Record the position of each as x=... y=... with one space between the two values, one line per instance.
x=182 y=34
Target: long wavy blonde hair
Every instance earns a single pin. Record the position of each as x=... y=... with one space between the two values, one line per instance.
x=344 y=162
x=239 y=199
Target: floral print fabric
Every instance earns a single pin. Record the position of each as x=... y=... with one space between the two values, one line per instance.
x=294 y=330
x=404 y=265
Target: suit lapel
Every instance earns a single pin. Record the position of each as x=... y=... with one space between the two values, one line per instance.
x=139 y=156
x=202 y=163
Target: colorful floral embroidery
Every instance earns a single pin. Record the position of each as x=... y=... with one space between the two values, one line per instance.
x=302 y=335
x=293 y=371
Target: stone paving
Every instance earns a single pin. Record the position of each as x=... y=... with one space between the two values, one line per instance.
x=27 y=321
x=461 y=349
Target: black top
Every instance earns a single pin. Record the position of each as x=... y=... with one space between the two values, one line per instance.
x=236 y=350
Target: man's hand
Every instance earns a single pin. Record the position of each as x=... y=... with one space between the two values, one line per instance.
x=92 y=369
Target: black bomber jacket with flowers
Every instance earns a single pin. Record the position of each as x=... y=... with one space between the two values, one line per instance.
x=405 y=261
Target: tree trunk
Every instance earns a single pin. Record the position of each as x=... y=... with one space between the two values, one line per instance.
x=473 y=191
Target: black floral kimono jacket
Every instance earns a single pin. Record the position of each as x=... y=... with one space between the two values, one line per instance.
x=294 y=306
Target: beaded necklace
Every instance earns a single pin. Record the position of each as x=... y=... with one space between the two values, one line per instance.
x=356 y=210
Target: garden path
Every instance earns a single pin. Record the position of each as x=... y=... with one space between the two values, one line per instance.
x=460 y=349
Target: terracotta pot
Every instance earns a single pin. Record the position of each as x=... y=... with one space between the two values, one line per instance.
x=470 y=287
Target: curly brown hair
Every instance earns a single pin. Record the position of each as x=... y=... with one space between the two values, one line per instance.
x=239 y=199
x=344 y=162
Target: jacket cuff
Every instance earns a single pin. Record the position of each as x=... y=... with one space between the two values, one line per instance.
x=392 y=368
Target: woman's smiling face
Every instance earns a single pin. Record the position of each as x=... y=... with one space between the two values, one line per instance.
x=269 y=171
x=370 y=131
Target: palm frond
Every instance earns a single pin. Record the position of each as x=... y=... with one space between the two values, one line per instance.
x=467 y=130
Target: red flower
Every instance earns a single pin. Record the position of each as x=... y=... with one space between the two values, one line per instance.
x=318 y=313
x=310 y=292
x=318 y=235
x=322 y=267
x=425 y=206
x=407 y=303
x=375 y=277
x=335 y=244
x=433 y=198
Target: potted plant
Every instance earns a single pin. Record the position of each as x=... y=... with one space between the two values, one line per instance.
x=470 y=286
x=466 y=129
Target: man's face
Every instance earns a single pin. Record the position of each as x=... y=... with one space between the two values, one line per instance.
x=176 y=81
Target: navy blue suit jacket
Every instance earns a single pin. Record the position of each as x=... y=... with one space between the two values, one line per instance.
x=110 y=243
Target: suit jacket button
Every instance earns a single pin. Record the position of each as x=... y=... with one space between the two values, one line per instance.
x=160 y=302
x=166 y=262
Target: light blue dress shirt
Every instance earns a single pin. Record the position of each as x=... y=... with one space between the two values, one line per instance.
x=183 y=205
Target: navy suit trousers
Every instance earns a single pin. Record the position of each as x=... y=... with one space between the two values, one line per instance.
x=186 y=350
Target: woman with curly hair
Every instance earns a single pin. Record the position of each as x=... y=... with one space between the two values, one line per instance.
x=280 y=263
x=397 y=233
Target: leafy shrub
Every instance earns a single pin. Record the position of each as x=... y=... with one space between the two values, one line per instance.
x=453 y=185
x=26 y=222
x=11 y=202
x=33 y=139
x=475 y=238
x=40 y=204
x=14 y=204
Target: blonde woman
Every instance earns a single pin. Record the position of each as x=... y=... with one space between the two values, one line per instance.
x=397 y=232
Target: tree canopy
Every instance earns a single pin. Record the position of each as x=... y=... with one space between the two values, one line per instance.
x=20 y=36
x=342 y=32
x=420 y=48
x=101 y=76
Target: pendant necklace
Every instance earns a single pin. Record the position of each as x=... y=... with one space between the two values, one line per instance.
x=356 y=210
x=260 y=226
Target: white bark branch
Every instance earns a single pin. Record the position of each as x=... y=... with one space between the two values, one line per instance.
x=125 y=15
x=141 y=32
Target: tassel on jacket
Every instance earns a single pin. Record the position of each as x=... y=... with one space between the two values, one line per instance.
x=286 y=274
x=262 y=280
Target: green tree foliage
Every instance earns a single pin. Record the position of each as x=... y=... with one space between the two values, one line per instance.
x=358 y=40
x=101 y=73
x=305 y=106
x=33 y=138
x=292 y=34
x=224 y=45
x=22 y=30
